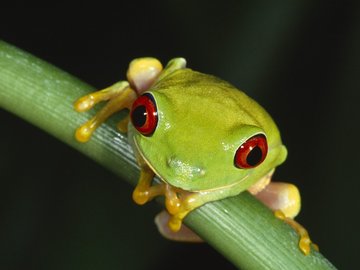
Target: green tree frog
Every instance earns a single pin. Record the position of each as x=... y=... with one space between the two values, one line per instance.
x=203 y=138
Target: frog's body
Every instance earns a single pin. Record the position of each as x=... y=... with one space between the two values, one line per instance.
x=205 y=139
x=191 y=109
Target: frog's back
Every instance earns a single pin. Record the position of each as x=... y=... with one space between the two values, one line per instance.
x=197 y=95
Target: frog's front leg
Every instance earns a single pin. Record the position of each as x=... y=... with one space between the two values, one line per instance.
x=188 y=202
x=145 y=190
x=120 y=96
x=185 y=234
x=141 y=74
x=284 y=200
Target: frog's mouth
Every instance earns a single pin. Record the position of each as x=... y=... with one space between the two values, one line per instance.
x=258 y=185
x=163 y=179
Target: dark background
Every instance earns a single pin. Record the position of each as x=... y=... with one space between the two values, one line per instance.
x=299 y=59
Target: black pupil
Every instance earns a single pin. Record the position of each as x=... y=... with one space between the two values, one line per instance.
x=139 y=116
x=254 y=157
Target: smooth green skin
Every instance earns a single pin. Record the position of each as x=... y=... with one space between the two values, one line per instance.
x=202 y=121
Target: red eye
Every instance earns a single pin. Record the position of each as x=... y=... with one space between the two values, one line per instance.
x=251 y=153
x=144 y=114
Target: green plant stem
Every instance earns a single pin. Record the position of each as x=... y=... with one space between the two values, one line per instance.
x=240 y=228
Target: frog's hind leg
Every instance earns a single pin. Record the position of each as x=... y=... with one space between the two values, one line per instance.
x=284 y=200
x=280 y=196
x=119 y=96
x=305 y=241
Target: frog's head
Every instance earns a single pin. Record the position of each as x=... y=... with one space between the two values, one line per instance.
x=198 y=133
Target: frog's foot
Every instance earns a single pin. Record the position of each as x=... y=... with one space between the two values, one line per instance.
x=175 y=221
x=183 y=235
x=144 y=191
x=177 y=202
x=184 y=202
x=305 y=241
x=141 y=74
x=119 y=96
x=284 y=200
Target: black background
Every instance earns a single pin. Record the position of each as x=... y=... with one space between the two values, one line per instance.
x=299 y=59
